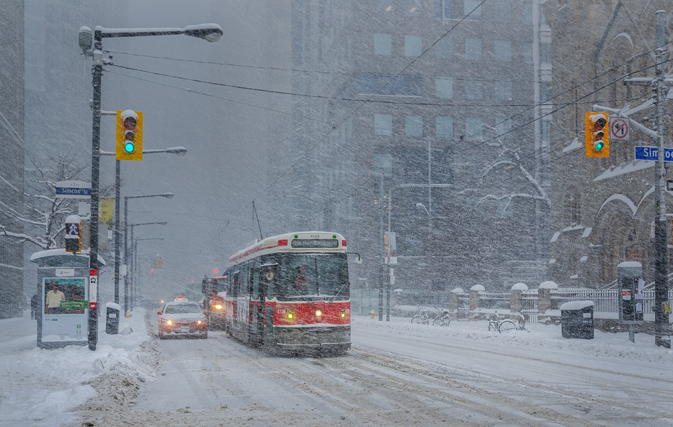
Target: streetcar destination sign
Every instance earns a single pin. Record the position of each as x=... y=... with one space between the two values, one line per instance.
x=652 y=153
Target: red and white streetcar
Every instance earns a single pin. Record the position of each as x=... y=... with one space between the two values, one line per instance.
x=291 y=292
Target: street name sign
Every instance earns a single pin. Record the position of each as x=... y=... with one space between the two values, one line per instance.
x=652 y=153
x=73 y=190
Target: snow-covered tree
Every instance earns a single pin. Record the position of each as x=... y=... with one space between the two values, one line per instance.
x=44 y=214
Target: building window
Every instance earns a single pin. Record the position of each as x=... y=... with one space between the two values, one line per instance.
x=503 y=90
x=444 y=48
x=443 y=9
x=444 y=87
x=413 y=126
x=473 y=49
x=387 y=84
x=469 y=6
x=383 y=124
x=503 y=10
x=444 y=127
x=413 y=45
x=384 y=6
x=545 y=91
x=545 y=52
x=503 y=50
x=473 y=128
x=383 y=44
x=528 y=53
x=383 y=164
x=527 y=13
x=546 y=130
x=413 y=7
x=474 y=89
x=503 y=128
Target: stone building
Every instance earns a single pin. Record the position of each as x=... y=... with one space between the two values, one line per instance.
x=603 y=208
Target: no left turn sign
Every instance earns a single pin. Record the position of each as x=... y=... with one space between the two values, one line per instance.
x=620 y=129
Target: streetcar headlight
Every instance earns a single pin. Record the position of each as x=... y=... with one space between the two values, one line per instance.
x=318 y=313
x=218 y=306
x=290 y=315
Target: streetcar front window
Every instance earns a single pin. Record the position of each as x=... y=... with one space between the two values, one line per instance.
x=219 y=285
x=311 y=276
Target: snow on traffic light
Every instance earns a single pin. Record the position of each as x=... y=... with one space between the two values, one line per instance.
x=129 y=135
x=596 y=135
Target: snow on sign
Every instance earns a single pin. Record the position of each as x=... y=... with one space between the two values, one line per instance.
x=73 y=190
x=652 y=153
x=619 y=129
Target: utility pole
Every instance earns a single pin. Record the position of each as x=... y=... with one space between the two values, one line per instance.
x=661 y=321
x=381 y=250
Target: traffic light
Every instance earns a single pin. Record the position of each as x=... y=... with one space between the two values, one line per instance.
x=596 y=135
x=129 y=135
x=73 y=234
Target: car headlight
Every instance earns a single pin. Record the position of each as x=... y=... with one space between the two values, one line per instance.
x=218 y=307
x=199 y=322
x=169 y=322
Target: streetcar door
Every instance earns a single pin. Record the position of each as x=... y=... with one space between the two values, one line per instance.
x=268 y=275
x=256 y=305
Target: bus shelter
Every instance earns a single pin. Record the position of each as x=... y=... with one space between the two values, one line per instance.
x=63 y=291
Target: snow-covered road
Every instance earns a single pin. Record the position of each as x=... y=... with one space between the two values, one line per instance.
x=396 y=374
x=403 y=374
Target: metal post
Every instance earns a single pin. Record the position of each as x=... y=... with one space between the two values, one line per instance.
x=117 y=231
x=126 y=253
x=381 y=250
x=132 y=229
x=92 y=336
x=661 y=321
x=390 y=254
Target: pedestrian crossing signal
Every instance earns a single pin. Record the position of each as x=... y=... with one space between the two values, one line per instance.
x=596 y=135
x=73 y=236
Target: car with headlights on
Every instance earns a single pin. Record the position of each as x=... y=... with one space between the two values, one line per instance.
x=182 y=318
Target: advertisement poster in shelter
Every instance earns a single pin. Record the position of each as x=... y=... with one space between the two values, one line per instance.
x=64 y=308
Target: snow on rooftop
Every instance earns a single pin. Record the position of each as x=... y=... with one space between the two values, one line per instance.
x=627 y=264
x=587 y=231
x=625 y=168
x=574 y=145
x=478 y=288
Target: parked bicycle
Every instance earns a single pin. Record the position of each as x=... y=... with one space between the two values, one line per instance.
x=420 y=318
x=505 y=325
x=443 y=318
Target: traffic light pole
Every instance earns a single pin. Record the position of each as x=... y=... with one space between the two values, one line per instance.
x=95 y=191
x=117 y=222
x=661 y=321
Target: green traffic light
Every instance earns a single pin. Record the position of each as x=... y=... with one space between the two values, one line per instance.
x=599 y=146
x=129 y=147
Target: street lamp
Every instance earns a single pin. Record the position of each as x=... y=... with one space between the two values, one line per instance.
x=126 y=248
x=180 y=151
x=134 y=262
x=92 y=45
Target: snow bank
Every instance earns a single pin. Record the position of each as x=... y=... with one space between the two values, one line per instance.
x=41 y=387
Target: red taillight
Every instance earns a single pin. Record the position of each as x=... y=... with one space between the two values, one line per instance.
x=282 y=242
x=343 y=243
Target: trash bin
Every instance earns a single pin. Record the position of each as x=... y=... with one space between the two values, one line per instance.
x=113 y=312
x=577 y=320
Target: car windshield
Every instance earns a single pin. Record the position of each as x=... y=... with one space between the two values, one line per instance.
x=182 y=308
x=313 y=275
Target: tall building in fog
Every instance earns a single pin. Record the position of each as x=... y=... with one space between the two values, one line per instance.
x=11 y=160
x=416 y=101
